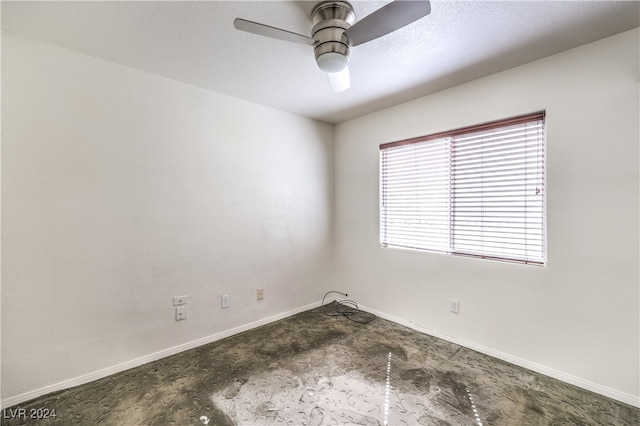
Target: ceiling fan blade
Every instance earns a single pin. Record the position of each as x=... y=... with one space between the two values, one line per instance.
x=388 y=18
x=340 y=81
x=273 y=32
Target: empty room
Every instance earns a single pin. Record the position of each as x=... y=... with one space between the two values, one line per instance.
x=320 y=212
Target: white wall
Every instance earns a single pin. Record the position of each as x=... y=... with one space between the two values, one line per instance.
x=577 y=318
x=121 y=189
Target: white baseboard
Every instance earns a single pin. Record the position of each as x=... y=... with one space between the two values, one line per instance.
x=80 y=380
x=86 y=378
x=538 y=368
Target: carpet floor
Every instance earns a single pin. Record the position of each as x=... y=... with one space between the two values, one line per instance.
x=312 y=369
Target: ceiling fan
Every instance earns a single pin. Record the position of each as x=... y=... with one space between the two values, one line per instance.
x=334 y=32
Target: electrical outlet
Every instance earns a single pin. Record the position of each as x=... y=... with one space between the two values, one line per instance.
x=260 y=293
x=455 y=306
x=179 y=300
x=225 y=302
x=181 y=313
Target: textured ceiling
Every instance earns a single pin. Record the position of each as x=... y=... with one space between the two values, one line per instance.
x=196 y=43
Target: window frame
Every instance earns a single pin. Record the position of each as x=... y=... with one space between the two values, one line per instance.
x=452 y=134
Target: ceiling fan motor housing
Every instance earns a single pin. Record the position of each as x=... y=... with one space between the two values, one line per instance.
x=331 y=19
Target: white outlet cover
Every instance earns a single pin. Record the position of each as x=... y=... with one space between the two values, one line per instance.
x=181 y=312
x=225 y=302
x=179 y=300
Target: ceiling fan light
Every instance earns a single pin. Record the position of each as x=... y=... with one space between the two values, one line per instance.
x=340 y=81
x=332 y=62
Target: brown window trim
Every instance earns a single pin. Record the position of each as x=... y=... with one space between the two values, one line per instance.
x=540 y=115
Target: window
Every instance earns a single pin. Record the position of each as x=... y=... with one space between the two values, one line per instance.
x=477 y=191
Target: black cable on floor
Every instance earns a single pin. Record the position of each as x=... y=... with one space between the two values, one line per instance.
x=348 y=309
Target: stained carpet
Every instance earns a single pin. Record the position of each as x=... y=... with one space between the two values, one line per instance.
x=311 y=369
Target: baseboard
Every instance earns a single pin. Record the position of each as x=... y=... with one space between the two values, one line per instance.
x=86 y=378
x=538 y=368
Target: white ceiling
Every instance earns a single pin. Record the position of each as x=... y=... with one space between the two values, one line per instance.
x=196 y=43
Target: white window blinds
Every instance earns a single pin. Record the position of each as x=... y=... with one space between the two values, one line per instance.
x=477 y=191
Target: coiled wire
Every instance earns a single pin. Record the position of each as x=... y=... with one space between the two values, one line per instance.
x=346 y=308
